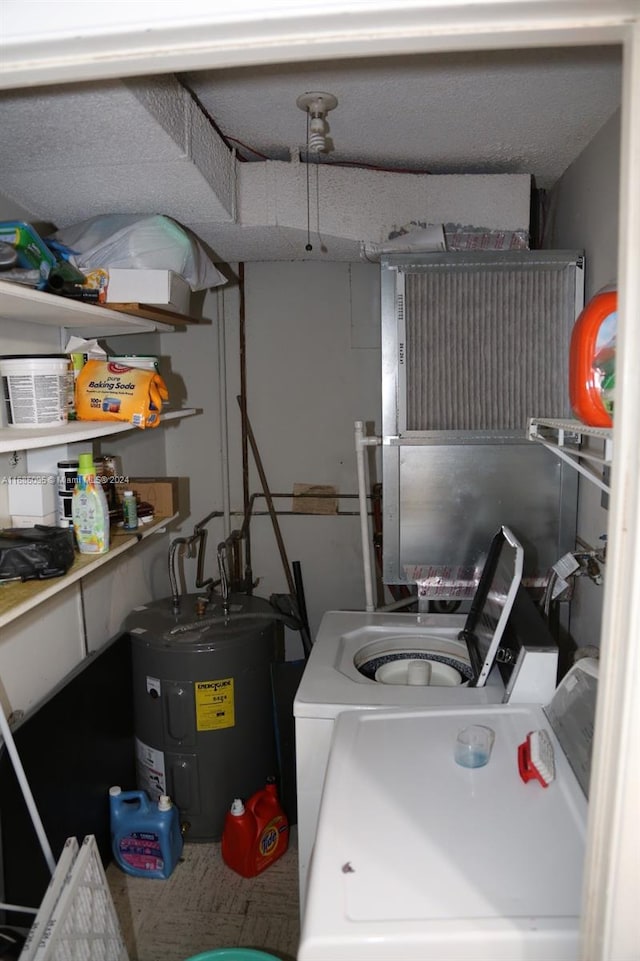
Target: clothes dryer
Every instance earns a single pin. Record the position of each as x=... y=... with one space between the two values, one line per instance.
x=418 y=858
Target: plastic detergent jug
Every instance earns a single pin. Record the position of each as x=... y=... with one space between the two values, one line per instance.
x=255 y=834
x=145 y=837
x=592 y=360
x=89 y=510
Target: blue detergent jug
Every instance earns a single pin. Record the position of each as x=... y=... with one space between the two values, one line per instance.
x=145 y=837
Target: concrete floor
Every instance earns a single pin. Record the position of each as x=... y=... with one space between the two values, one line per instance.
x=205 y=905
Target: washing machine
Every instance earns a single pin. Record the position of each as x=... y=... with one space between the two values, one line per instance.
x=418 y=858
x=375 y=660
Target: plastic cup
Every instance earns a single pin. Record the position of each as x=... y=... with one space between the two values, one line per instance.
x=473 y=745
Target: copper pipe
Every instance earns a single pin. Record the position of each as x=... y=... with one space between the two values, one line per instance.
x=244 y=422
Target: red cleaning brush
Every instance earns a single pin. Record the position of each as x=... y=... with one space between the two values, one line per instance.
x=535 y=758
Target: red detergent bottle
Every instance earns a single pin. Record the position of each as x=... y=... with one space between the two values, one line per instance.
x=592 y=359
x=255 y=834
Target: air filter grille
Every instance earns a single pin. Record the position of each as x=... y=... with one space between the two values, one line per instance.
x=487 y=346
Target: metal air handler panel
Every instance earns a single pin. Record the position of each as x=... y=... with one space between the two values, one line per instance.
x=203 y=708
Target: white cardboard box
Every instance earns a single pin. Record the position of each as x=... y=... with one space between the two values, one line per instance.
x=158 y=288
x=33 y=494
x=31 y=520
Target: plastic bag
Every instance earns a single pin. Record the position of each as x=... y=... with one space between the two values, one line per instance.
x=137 y=241
x=35 y=552
x=110 y=391
x=31 y=251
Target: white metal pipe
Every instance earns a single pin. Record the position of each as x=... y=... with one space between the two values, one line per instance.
x=7 y=737
x=18 y=908
x=361 y=442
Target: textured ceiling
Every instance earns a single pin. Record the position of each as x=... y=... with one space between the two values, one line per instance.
x=162 y=145
x=526 y=111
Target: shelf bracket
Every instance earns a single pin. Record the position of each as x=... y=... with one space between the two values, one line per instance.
x=553 y=434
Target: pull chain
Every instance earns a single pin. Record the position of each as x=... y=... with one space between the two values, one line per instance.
x=318 y=195
x=309 y=245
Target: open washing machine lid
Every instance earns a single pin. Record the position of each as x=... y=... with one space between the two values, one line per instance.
x=395 y=658
x=492 y=603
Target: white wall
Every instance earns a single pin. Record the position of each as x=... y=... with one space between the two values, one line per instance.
x=584 y=215
x=194 y=446
x=313 y=368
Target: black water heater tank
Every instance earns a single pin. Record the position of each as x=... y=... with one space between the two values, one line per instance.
x=203 y=706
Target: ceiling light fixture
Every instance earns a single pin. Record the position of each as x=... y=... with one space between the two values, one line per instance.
x=316 y=105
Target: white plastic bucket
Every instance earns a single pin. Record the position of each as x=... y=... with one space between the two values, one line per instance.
x=35 y=389
x=140 y=361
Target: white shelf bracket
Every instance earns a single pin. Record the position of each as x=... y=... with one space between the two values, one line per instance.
x=541 y=431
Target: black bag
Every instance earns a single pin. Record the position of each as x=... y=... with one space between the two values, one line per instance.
x=35 y=552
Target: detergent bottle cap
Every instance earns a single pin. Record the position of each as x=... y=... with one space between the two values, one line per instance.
x=164 y=803
x=237 y=807
x=115 y=790
x=85 y=464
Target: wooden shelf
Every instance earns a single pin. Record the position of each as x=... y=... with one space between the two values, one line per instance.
x=17 y=599
x=28 y=438
x=161 y=315
x=92 y=320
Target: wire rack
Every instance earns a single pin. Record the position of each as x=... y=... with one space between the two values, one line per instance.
x=77 y=920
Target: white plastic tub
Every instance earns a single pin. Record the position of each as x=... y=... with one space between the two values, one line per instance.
x=35 y=389
x=141 y=361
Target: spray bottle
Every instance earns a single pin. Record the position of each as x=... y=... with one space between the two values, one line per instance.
x=145 y=837
x=89 y=510
x=255 y=834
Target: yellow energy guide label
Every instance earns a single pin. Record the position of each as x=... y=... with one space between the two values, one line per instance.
x=215 y=704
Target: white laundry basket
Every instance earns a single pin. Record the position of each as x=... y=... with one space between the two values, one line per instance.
x=36 y=389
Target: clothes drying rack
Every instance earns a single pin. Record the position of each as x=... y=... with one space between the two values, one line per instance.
x=76 y=918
